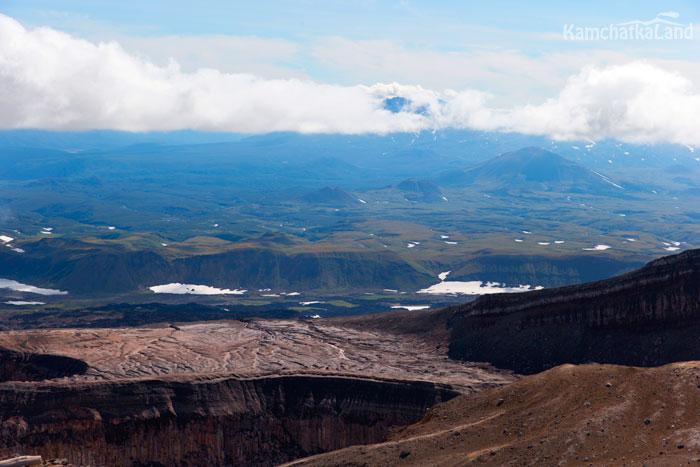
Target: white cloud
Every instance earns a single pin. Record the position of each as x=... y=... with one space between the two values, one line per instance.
x=635 y=102
x=49 y=79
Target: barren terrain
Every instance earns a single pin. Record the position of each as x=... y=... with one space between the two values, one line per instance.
x=602 y=415
x=253 y=348
x=255 y=392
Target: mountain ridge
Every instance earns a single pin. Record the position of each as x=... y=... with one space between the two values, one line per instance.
x=531 y=168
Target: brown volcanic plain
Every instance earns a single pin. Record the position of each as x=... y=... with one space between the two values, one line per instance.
x=253 y=348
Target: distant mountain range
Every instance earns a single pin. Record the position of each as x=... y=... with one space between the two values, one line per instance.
x=331 y=195
x=532 y=169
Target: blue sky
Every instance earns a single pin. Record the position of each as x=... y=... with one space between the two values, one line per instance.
x=531 y=28
x=410 y=20
x=488 y=59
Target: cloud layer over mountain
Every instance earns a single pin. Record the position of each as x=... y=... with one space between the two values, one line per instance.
x=49 y=79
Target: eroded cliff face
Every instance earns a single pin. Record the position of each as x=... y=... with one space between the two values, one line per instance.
x=648 y=317
x=207 y=421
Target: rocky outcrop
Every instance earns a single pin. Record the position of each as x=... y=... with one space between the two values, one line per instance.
x=206 y=421
x=647 y=317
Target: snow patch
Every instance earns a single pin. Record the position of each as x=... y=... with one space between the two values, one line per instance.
x=597 y=248
x=193 y=289
x=410 y=307
x=473 y=288
x=19 y=287
x=443 y=275
x=606 y=179
x=22 y=303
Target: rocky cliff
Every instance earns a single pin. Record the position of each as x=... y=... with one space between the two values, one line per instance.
x=647 y=317
x=206 y=421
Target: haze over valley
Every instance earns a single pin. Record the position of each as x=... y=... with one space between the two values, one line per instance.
x=268 y=216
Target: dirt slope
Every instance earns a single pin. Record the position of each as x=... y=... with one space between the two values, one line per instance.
x=569 y=415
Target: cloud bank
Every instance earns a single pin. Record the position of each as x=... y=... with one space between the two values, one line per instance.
x=51 y=80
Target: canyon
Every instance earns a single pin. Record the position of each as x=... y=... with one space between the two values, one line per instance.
x=259 y=392
x=269 y=391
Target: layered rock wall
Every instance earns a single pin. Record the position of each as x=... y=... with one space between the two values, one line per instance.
x=648 y=317
x=207 y=421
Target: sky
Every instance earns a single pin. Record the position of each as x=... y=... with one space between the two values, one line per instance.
x=327 y=66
